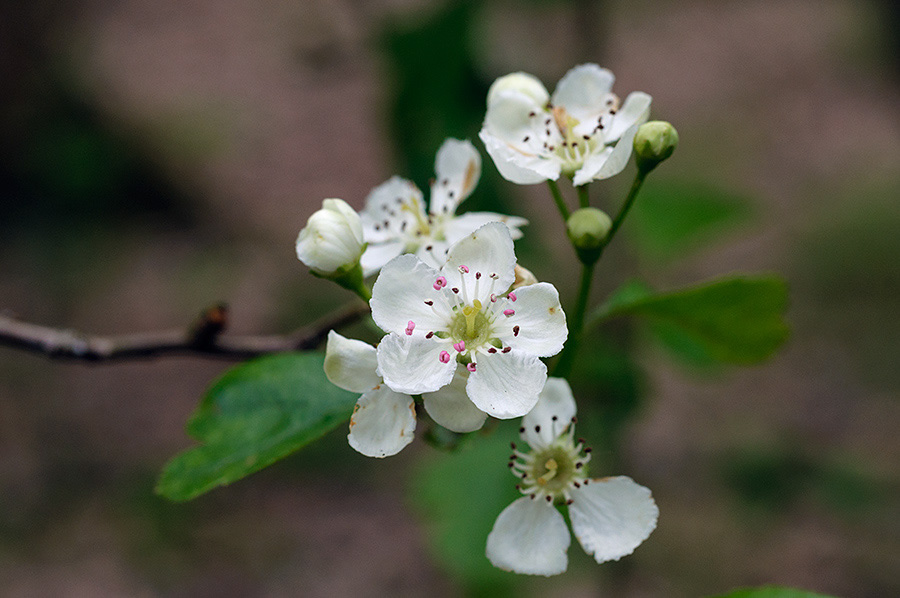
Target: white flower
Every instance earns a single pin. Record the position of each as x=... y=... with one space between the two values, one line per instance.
x=610 y=516
x=395 y=220
x=463 y=317
x=581 y=131
x=332 y=238
x=384 y=421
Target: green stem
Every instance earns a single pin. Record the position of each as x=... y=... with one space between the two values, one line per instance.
x=632 y=195
x=583 y=199
x=558 y=198
x=576 y=324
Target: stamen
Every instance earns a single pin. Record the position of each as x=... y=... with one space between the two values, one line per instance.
x=512 y=296
x=515 y=331
x=460 y=346
x=410 y=326
x=430 y=334
x=444 y=357
x=470 y=366
x=509 y=312
x=464 y=269
x=440 y=283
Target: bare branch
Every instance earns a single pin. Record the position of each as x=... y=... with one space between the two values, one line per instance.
x=204 y=339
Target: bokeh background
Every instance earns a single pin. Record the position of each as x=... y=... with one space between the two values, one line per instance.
x=158 y=157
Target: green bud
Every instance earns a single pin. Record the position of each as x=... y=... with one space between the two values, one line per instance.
x=587 y=229
x=654 y=142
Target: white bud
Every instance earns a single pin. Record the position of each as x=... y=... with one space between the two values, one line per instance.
x=523 y=83
x=332 y=239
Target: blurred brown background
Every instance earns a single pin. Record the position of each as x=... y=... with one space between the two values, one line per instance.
x=157 y=157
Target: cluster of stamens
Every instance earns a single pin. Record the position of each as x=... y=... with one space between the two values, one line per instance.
x=471 y=325
x=556 y=134
x=550 y=472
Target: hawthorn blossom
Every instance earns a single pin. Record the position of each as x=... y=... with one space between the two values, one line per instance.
x=464 y=317
x=610 y=516
x=581 y=131
x=332 y=238
x=395 y=220
x=384 y=421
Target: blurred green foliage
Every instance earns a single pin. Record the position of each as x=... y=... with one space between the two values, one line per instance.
x=771 y=592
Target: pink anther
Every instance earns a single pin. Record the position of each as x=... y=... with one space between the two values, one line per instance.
x=464 y=269
x=460 y=346
x=444 y=357
x=508 y=312
x=440 y=283
x=470 y=367
x=512 y=296
x=410 y=326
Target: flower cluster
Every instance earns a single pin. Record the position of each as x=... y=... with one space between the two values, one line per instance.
x=466 y=328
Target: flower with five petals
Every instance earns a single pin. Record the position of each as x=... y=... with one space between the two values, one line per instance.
x=610 y=516
x=463 y=316
x=581 y=131
x=395 y=220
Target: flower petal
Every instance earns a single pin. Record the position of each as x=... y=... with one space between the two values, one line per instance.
x=517 y=165
x=583 y=91
x=523 y=83
x=377 y=255
x=412 y=364
x=350 y=364
x=552 y=414
x=635 y=111
x=383 y=422
x=529 y=536
x=457 y=170
x=457 y=228
x=399 y=295
x=452 y=408
x=612 y=516
x=608 y=162
x=488 y=250
x=332 y=237
x=383 y=216
x=506 y=385
x=538 y=325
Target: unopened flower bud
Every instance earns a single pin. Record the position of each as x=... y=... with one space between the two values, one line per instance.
x=521 y=82
x=332 y=240
x=654 y=142
x=587 y=229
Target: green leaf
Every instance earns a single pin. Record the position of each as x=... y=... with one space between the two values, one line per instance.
x=738 y=319
x=255 y=414
x=670 y=218
x=771 y=592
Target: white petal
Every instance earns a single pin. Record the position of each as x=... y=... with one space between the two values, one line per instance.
x=399 y=295
x=452 y=408
x=350 y=363
x=384 y=205
x=383 y=422
x=529 y=536
x=518 y=165
x=612 y=516
x=523 y=83
x=411 y=364
x=457 y=170
x=540 y=319
x=377 y=255
x=434 y=253
x=488 y=250
x=460 y=226
x=509 y=118
x=506 y=385
x=552 y=414
x=635 y=111
x=609 y=162
x=583 y=91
